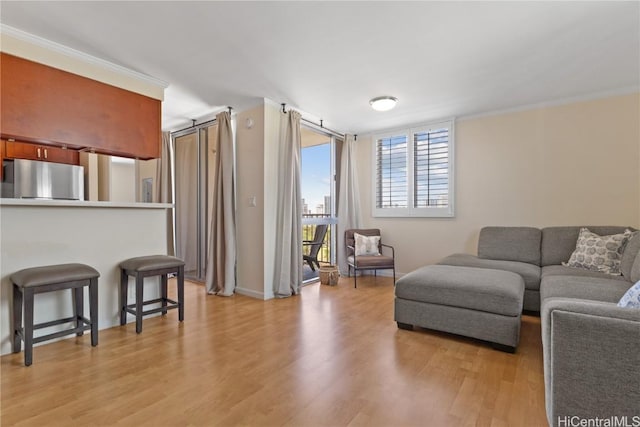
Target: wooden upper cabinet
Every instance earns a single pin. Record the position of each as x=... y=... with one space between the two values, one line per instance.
x=45 y=105
x=44 y=153
x=2 y=150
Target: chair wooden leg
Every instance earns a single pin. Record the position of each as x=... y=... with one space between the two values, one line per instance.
x=93 y=310
x=78 y=308
x=181 y=294
x=124 y=285
x=27 y=331
x=17 y=319
x=139 y=296
x=163 y=292
x=355 y=277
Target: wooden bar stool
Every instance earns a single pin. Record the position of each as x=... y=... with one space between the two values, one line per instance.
x=31 y=281
x=148 y=266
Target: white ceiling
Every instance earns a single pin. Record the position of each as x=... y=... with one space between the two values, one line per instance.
x=329 y=58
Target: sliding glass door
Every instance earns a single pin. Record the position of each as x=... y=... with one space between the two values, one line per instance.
x=195 y=151
x=318 y=178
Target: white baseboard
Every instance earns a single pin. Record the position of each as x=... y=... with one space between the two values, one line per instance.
x=253 y=293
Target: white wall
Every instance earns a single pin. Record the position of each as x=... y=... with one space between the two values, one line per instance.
x=250 y=220
x=575 y=164
x=123 y=182
x=101 y=237
x=272 y=118
x=257 y=168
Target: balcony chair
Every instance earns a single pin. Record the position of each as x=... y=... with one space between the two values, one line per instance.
x=314 y=246
x=368 y=262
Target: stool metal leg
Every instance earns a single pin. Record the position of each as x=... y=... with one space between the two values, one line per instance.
x=139 y=296
x=17 y=319
x=93 y=310
x=163 y=292
x=181 y=293
x=28 y=326
x=124 y=285
x=78 y=308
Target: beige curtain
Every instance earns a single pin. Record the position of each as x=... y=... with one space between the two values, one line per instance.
x=164 y=185
x=288 y=253
x=348 y=202
x=186 y=202
x=221 y=256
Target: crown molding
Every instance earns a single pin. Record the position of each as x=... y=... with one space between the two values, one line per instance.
x=78 y=55
x=555 y=103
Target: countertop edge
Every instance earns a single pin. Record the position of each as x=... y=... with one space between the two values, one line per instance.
x=82 y=204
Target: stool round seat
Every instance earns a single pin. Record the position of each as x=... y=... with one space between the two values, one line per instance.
x=151 y=262
x=51 y=274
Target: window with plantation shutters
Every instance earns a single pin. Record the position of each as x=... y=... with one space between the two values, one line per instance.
x=413 y=172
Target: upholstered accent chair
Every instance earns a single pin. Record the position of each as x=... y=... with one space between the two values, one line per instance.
x=368 y=262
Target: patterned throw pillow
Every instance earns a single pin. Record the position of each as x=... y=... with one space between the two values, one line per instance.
x=631 y=299
x=599 y=253
x=366 y=245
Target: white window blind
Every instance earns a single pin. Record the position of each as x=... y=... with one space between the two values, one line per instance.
x=413 y=172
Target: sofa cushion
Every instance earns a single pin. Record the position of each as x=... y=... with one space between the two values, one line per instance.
x=635 y=269
x=631 y=299
x=529 y=272
x=366 y=245
x=561 y=270
x=350 y=240
x=491 y=291
x=520 y=244
x=372 y=261
x=588 y=288
x=558 y=243
x=599 y=253
x=629 y=255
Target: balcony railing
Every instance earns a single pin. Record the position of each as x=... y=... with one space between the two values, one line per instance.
x=308 y=231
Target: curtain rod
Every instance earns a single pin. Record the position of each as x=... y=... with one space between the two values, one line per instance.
x=320 y=125
x=193 y=123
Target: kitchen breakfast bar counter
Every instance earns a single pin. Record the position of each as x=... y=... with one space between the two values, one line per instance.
x=101 y=234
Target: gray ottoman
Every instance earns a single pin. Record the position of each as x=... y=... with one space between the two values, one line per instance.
x=475 y=302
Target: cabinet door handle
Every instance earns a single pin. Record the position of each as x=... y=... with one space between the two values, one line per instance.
x=45 y=153
x=38 y=152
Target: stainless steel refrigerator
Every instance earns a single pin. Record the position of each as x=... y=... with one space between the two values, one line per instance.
x=30 y=179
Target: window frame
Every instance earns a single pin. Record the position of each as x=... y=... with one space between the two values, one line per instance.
x=412 y=211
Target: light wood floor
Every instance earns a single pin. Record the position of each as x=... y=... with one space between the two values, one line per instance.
x=331 y=356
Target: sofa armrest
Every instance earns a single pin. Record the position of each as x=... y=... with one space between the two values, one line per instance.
x=591 y=360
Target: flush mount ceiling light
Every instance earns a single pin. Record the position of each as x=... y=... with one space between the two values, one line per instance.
x=383 y=103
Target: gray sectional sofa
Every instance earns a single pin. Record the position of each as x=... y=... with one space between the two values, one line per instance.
x=591 y=347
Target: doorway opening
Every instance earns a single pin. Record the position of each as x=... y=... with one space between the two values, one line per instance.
x=318 y=180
